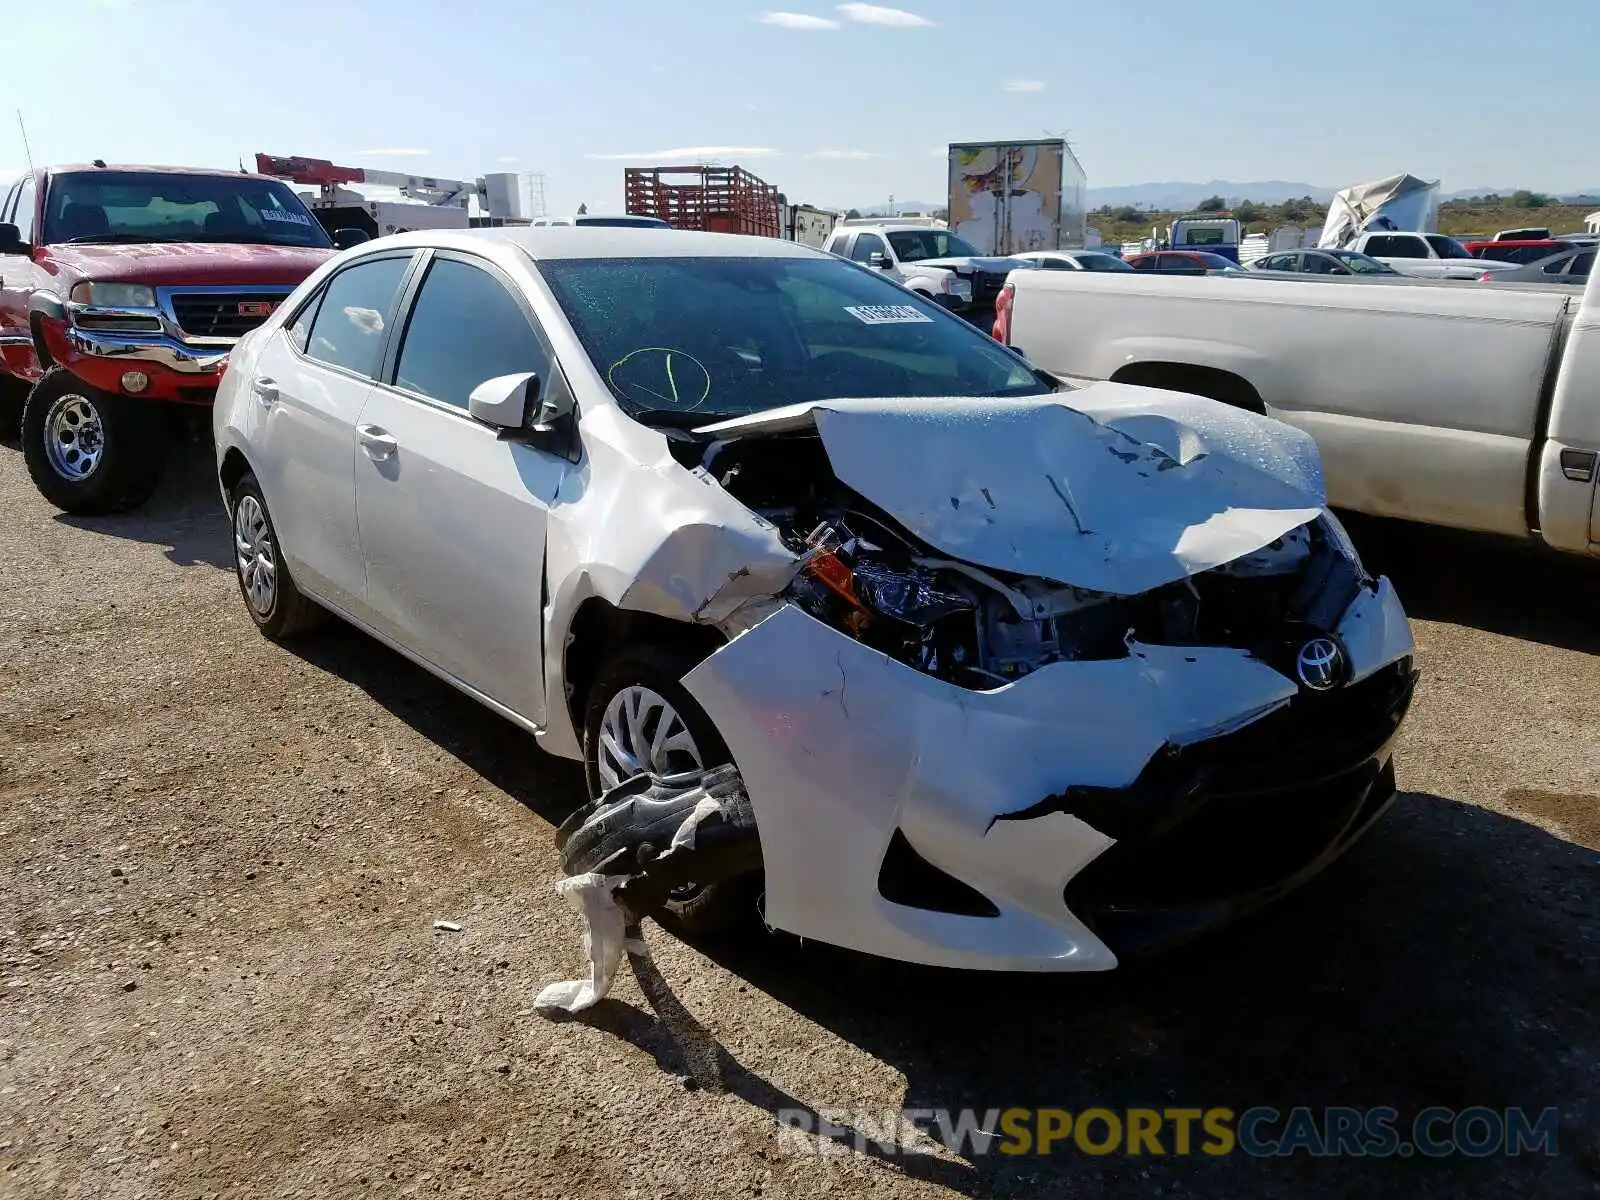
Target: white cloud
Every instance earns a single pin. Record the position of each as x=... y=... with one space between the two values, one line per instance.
x=393 y=152
x=1024 y=85
x=789 y=20
x=853 y=155
x=691 y=152
x=873 y=14
x=506 y=158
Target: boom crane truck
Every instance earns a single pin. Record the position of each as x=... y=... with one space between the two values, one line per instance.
x=429 y=202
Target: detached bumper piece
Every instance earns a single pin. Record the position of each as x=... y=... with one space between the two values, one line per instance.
x=658 y=835
x=1216 y=829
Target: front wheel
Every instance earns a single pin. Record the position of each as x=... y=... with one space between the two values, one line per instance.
x=639 y=718
x=89 y=452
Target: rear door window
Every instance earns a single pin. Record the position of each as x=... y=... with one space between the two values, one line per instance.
x=356 y=312
x=1391 y=245
x=23 y=217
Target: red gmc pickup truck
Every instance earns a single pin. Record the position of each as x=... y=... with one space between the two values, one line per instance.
x=122 y=290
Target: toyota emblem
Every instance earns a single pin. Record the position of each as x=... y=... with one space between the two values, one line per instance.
x=1320 y=664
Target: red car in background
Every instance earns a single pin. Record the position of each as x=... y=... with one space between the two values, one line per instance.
x=1184 y=262
x=122 y=290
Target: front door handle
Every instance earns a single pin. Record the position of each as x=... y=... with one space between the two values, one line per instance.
x=376 y=442
x=267 y=389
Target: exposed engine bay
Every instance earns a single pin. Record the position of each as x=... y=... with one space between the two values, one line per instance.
x=866 y=576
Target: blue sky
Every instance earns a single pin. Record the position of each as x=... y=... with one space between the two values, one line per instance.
x=835 y=104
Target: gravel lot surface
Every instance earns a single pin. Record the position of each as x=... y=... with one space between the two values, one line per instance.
x=221 y=863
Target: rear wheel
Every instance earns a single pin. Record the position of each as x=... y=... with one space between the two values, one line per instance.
x=640 y=718
x=274 y=602
x=90 y=452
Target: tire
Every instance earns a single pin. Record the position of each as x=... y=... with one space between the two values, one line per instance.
x=702 y=909
x=90 y=453
x=269 y=593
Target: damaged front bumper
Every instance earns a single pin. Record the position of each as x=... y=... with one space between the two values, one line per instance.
x=1088 y=810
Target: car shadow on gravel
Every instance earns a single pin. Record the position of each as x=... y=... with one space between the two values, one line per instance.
x=1495 y=584
x=1450 y=959
x=185 y=517
x=506 y=756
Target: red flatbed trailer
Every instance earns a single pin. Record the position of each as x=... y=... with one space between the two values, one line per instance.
x=709 y=199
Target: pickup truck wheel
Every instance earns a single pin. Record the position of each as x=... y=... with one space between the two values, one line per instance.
x=90 y=452
x=639 y=717
x=275 y=604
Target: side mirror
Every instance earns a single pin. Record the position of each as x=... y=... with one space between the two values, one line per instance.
x=879 y=262
x=503 y=402
x=11 y=240
x=348 y=235
x=516 y=407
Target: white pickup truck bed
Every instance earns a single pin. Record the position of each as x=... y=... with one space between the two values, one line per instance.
x=1470 y=406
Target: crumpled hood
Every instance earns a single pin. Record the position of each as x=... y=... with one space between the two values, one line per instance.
x=1114 y=488
x=967 y=265
x=204 y=263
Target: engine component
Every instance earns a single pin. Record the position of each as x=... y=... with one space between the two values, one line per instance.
x=977 y=628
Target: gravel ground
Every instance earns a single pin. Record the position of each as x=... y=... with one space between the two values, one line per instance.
x=222 y=862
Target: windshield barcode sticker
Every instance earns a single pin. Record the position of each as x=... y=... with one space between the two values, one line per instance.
x=888 y=314
x=285 y=216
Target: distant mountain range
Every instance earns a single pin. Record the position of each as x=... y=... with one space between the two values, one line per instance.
x=1183 y=196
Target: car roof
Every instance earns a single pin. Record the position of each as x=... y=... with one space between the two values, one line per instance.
x=603 y=241
x=1549 y=241
x=91 y=169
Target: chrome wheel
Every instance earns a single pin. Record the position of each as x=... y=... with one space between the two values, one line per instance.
x=255 y=555
x=639 y=733
x=74 y=438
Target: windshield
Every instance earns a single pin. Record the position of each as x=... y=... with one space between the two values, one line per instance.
x=1102 y=262
x=1361 y=264
x=625 y=222
x=711 y=337
x=1521 y=255
x=159 y=206
x=913 y=245
x=1214 y=262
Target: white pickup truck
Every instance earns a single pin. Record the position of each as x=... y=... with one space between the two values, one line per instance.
x=1477 y=408
x=1425 y=255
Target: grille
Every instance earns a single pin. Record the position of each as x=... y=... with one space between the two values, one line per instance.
x=986 y=287
x=218 y=315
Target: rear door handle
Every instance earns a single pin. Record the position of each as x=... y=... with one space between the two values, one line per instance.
x=267 y=389
x=377 y=443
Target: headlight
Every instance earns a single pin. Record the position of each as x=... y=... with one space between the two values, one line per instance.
x=958 y=287
x=1339 y=538
x=114 y=295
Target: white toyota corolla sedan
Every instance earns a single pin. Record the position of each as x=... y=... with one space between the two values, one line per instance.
x=983 y=670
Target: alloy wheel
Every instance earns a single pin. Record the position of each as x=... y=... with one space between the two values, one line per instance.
x=74 y=438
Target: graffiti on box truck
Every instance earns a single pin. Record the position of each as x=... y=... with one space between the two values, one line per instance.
x=1006 y=198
